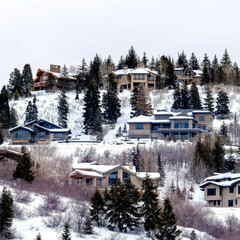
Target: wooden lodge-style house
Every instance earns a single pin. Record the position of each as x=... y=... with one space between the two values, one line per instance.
x=53 y=78
x=38 y=131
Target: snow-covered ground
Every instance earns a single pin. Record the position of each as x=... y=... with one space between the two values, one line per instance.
x=28 y=227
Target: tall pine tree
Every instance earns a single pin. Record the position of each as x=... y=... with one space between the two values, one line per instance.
x=15 y=83
x=194 y=98
x=63 y=110
x=66 y=235
x=27 y=81
x=92 y=112
x=222 y=107
x=94 y=72
x=4 y=108
x=111 y=103
x=185 y=97
x=209 y=100
x=24 y=167
x=131 y=59
x=193 y=62
x=177 y=98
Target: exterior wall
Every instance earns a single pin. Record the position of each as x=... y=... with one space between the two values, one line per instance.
x=51 y=137
x=123 y=82
x=145 y=82
x=214 y=197
x=133 y=132
x=189 y=121
x=208 y=120
x=20 y=141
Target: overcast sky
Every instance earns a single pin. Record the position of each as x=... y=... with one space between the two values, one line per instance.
x=44 y=32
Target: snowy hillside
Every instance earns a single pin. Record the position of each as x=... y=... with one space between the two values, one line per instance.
x=29 y=222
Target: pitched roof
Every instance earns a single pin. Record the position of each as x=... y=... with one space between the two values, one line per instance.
x=59 y=75
x=20 y=126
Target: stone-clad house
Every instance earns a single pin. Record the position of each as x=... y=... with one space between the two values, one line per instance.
x=104 y=175
x=166 y=124
x=188 y=76
x=222 y=190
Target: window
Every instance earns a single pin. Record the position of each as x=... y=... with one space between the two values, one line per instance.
x=219 y=202
x=214 y=202
x=58 y=135
x=238 y=189
x=20 y=134
x=89 y=181
x=16 y=135
x=210 y=119
x=181 y=125
x=139 y=126
x=211 y=191
x=151 y=78
x=139 y=77
x=112 y=178
x=235 y=201
x=231 y=190
x=26 y=134
x=202 y=118
x=220 y=192
x=125 y=176
x=203 y=127
x=230 y=203
x=41 y=136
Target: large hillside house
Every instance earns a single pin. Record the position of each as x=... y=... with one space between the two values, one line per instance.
x=188 y=76
x=104 y=175
x=130 y=78
x=38 y=131
x=166 y=124
x=49 y=79
x=222 y=190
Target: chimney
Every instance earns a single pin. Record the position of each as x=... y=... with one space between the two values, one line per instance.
x=55 y=68
x=131 y=165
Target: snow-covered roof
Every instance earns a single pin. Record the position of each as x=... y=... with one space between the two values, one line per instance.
x=139 y=71
x=162 y=112
x=86 y=173
x=54 y=130
x=181 y=116
x=141 y=119
x=20 y=126
x=221 y=184
x=198 y=73
x=179 y=69
x=152 y=175
x=59 y=75
x=222 y=176
x=123 y=71
x=202 y=111
x=135 y=71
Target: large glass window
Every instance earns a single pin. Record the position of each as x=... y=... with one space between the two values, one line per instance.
x=41 y=135
x=112 y=177
x=139 y=77
x=203 y=127
x=211 y=191
x=181 y=125
x=16 y=135
x=202 y=118
x=20 y=134
x=139 y=126
x=26 y=134
x=231 y=190
x=125 y=176
x=89 y=181
x=238 y=189
x=58 y=135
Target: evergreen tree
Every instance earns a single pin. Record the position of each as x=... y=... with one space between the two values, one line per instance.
x=87 y=228
x=222 y=108
x=193 y=62
x=24 y=167
x=170 y=75
x=133 y=102
x=194 y=98
x=206 y=73
x=65 y=72
x=223 y=133
x=39 y=237
x=144 y=59
x=28 y=113
x=92 y=113
x=1 y=135
x=214 y=70
x=167 y=226
x=82 y=78
x=177 y=98
x=66 y=235
x=236 y=74
x=135 y=157
x=226 y=65
x=13 y=118
x=63 y=110
x=15 y=83
x=111 y=103
x=34 y=109
x=218 y=154
x=27 y=81
x=209 y=100
x=97 y=207
x=185 y=97
x=143 y=107
x=182 y=60
x=4 y=108
x=121 y=63
x=152 y=64
x=6 y=213
x=131 y=59
x=122 y=206
x=94 y=72
x=150 y=209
